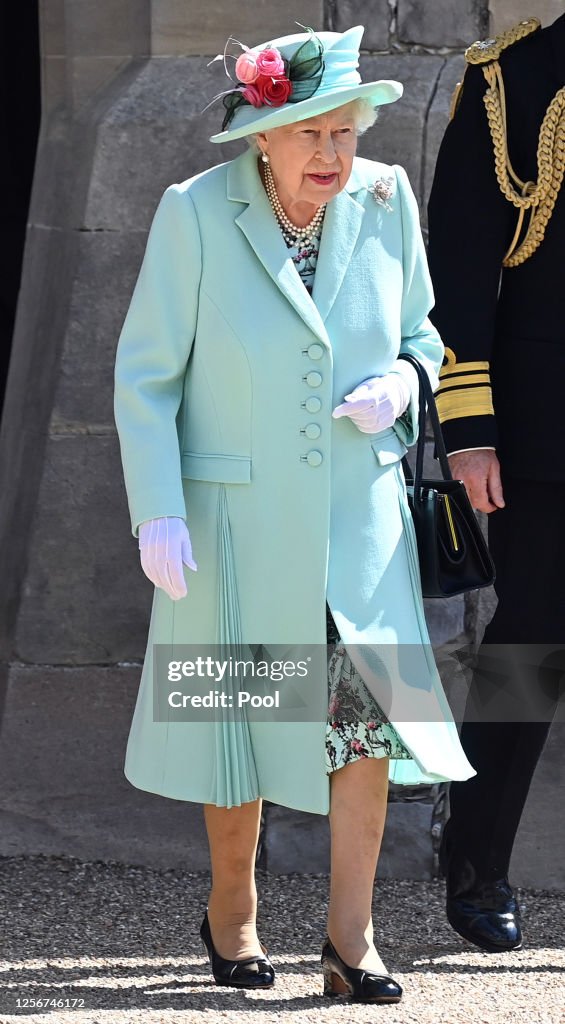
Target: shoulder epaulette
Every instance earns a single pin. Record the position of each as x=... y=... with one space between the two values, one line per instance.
x=486 y=50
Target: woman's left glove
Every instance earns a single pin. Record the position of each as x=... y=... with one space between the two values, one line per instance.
x=376 y=403
x=164 y=545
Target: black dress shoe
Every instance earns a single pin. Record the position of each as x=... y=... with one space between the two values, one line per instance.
x=252 y=972
x=363 y=986
x=483 y=911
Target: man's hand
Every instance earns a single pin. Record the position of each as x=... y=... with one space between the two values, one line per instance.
x=480 y=472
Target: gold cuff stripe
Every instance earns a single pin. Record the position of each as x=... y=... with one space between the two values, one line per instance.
x=463 y=380
x=456 y=404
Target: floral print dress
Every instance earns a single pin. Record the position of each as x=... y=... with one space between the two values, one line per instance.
x=356 y=725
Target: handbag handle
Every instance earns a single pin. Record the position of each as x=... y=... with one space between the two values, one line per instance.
x=426 y=402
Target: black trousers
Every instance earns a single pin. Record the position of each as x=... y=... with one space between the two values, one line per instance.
x=527 y=541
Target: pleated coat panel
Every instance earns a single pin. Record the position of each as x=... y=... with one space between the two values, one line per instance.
x=227 y=372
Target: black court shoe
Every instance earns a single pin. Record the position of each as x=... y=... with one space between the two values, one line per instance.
x=363 y=986
x=483 y=911
x=253 y=972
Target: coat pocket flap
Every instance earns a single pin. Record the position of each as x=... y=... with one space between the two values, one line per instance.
x=388 y=448
x=228 y=469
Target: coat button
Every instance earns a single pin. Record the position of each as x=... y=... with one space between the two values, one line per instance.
x=313 y=404
x=313 y=379
x=314 y=458
x=312 y=431
x=315 y=351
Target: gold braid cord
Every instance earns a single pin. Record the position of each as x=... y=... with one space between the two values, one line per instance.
x=537 y=199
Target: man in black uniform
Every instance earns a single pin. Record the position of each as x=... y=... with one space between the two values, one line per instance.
x=497 y=258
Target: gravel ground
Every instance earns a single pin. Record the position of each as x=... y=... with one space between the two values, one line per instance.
x=122 y=943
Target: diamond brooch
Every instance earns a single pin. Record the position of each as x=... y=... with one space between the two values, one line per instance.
x=381 y=192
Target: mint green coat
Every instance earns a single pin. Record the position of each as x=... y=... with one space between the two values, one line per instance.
x=226 y=375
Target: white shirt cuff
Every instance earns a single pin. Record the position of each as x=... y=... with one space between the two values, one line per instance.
x=482 y=448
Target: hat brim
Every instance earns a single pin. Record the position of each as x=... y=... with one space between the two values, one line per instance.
x=261 y=119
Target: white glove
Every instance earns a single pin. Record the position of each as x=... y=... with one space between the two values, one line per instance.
x=165 y=544
x=376 y=403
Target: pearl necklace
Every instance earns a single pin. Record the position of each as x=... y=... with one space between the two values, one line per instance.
x=292 y=234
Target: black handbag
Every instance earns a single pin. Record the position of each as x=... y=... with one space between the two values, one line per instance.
x=453 y=553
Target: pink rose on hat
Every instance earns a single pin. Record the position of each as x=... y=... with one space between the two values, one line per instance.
x=246 y=67
x=270 y=63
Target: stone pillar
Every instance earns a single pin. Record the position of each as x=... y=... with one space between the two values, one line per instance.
x=45 y=553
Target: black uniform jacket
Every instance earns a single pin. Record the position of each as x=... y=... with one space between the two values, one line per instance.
x=514 y=321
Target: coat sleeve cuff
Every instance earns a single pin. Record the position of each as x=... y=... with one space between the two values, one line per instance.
x=152 y=506
x=470 y=432
x=406 y=426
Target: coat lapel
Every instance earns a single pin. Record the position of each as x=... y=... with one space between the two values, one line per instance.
x=259 y=226
x=342 y=224
x=262 y=232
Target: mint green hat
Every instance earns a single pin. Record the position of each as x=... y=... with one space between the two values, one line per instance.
x=336 y=83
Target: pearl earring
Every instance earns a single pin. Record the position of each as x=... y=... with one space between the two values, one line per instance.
x=265 y=158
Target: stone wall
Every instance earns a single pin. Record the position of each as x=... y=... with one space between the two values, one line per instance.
x=124 y=85
x=505 y=13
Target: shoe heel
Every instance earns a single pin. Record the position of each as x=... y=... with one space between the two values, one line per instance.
x=333 y=984
x=361 y=986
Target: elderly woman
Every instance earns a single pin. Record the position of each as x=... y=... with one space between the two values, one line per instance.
x=262 y=411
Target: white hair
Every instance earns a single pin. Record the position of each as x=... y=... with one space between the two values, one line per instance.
x=364 y=114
